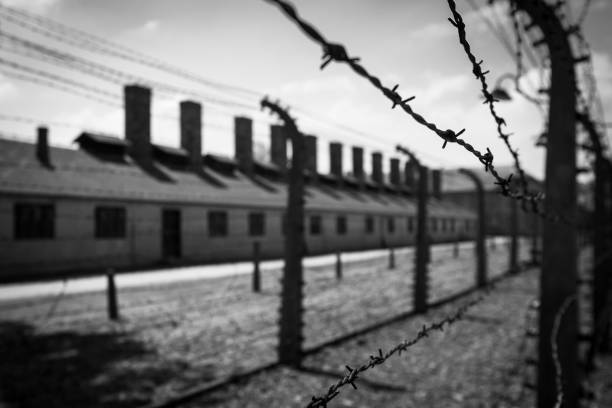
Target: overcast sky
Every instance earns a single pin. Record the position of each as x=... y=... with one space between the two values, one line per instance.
x=249 y=43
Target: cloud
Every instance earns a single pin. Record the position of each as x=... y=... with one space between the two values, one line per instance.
x=602 y=64
x=342 y=84
x=473 y=19
x=151 y=25
x=7 y=88
x=144 y=30
x=445 y=89
x=37 y=6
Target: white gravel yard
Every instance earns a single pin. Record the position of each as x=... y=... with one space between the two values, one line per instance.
x=175 y=336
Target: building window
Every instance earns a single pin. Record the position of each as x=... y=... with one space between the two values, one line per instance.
x=110 y=222
x=315 y=225
x=443 y=226
x=34 y=221
x=433 y=224
x=452 y=225
x=341 y=225
x=217 y=223
x=369 y=224
x=410 y=224
x=390 y=225
x=257 y=224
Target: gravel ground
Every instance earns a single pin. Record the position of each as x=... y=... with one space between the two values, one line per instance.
x=478 y=362
x=475 y=363
x=63 y=352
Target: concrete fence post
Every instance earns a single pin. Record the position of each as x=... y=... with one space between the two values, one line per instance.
x=558 y=277
x=338 y=266
x=514 y=243
x=420 y=296
x=111 y=296
x=480 y=247
x=391 y=258
x=290 y=334
x=256 y=272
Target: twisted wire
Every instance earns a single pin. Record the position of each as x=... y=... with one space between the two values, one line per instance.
x=555 y=348
x=457 y=22
x=337 y=52
x=520 y=69
x=374 y=360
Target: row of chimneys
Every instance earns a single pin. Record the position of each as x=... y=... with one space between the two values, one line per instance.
x=137 y=101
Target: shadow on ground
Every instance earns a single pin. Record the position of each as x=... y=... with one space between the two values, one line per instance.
x=73 y=369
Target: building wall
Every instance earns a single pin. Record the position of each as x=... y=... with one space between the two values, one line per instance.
x=75 y=249
x=497 y=212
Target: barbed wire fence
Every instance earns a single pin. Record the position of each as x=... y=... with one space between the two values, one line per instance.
x=337 y=52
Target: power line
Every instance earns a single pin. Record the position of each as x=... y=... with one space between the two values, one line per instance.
x=85 y=40
x=106 y=73
x=54 y=85
x=90 y=42
x=58 y=78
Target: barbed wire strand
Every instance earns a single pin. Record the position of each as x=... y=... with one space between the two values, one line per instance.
x=520 y=70
x=555 y=348
x=374 y=360
x=457 y=22
x=337 y=52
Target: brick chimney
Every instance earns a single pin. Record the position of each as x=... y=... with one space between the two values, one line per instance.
x=377 y=174
x=409 y=174
x=137 y=101
x=278 y=146
x=191 y=132
x=335 y=159
x=436 y=184
x=394 y=173
x=358 y=163
x=310 y=162
x=243 y=143
x=42 y=146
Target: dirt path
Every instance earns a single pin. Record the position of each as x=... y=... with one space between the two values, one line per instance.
x=478 y=362
x=64 y=352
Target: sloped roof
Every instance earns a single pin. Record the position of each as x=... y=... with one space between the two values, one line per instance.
x=79 y=174
x=455 y=181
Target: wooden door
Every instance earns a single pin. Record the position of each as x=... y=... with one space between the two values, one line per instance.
x=171 y=234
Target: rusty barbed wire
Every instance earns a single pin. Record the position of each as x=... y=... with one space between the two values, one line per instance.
x=457 y=22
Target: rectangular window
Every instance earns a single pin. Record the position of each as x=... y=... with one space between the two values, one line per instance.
x=110 y=222
x=341 y=225
x=443 y=224
x=390 y=225
x=434 y=224
x=257 y=224
x=217 y=223
x=34 y=221
x=452 y=225
x=315 y=225
x=369 y=224
x=410 y=224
